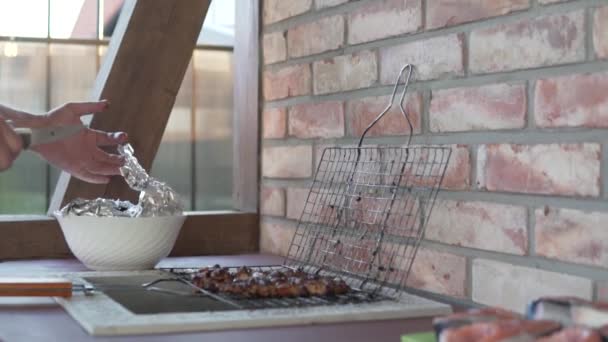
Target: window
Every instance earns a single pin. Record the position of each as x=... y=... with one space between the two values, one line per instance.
x=53 y=56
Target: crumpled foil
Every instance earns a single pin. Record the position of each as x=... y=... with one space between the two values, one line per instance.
x=155 y=198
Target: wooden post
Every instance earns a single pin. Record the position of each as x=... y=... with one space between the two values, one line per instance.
x=140 y=76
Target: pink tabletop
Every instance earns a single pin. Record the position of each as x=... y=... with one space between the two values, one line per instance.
x=42 y=320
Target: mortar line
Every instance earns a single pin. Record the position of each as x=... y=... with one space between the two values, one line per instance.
x=425 y=115
x=531 y=230
x=423 y=12
x=551 y=265
x=604 y=171
x=313 y=14
x=466 y=52
x=530 y=93
x=594 y=291
x=532 y=200
x=469 y=278
x=559 y=136
x=473 y=164
x=405 y=38
x=596 y=273
x=589 y=51
x=452 y=82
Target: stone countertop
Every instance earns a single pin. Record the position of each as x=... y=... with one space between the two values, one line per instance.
x=41 y=319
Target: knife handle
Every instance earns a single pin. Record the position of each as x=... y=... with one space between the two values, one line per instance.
x=35 y=287
x=26 y=136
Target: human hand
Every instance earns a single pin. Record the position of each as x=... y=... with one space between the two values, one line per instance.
x=80 y=154
x=10 y=145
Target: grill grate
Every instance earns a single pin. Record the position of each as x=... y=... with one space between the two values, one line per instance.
x=367 y=209
x=353 y=297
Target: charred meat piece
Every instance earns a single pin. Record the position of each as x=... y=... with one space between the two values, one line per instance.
x=573 y=334
x=243 y=273
x=316 y=287
x=519 y=330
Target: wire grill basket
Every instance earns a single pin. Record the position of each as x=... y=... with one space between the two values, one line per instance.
x=367 y=209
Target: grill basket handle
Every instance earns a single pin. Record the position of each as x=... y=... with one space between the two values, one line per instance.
x=410 y=69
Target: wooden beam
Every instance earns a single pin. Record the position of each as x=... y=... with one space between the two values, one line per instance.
x=141 y=75
x=246 y=106
x=26 y=237
x=218 y=233
x=209 y=233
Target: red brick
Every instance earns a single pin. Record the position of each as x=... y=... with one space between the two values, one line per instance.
x=328 y=3
x=600 y=32
x=277 y=10
x=287 y=161
x=286 y=82
x=434 y=58
x=272 y=201
x=572 y=101
x=425 y=166
x=296 y=200
x=274 y=47
x=317 y=120
x=458 y=173
x=513 y=287
x=442 y=13
x=274 y=123
x=528 y=43
x=342 y=73
x=275 y=237
x=319 y=36
x=438 y=272
x=572 y=235
x=382 y=19
x=488 y=226
x=555 y=169
x=361 y=112
x=497 y=106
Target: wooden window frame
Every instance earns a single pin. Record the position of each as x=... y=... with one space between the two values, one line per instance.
x=204 y=232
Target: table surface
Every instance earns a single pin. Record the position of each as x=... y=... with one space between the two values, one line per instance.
x=41 y=319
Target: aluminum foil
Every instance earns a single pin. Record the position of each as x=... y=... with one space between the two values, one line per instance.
x=155 y=198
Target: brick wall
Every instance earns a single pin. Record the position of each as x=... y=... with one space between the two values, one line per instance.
x=517 y=88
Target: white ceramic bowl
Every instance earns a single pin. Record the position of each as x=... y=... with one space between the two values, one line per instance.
x=120 y=243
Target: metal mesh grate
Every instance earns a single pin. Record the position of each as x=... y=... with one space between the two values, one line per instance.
x=240 y=303
x=366 y=212
x=367 y=208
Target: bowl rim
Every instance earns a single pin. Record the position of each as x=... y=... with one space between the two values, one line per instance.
x=58 y=215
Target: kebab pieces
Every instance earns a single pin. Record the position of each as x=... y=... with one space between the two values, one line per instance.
x=248 y=283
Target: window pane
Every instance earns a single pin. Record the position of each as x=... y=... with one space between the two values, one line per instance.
x=111 y=11
x=23 y=75
x=218 y=28
x=24 y=18
x=23 y=85
x=74 y=19
x=173 y=161
x=73 y=71
x=213 y=129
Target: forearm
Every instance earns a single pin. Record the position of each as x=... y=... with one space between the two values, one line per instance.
x=20 y=118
